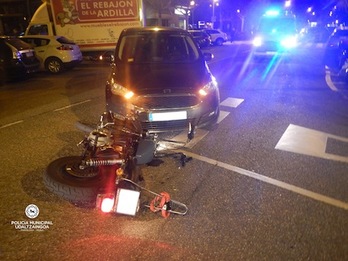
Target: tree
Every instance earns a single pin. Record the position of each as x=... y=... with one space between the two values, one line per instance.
x=159 y=6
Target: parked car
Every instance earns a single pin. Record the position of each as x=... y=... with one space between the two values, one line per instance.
x=17 y=59
x=339 y=36
x=163 y=75
x=55 y=53
x=336 y=52
x=202 y=38
x=217 y=36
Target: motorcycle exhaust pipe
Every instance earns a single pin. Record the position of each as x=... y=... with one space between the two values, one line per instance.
x=101 y=162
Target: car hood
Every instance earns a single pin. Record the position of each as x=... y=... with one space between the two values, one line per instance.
x=152 y=78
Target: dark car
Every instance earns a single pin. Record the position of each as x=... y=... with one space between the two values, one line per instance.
x=162 y=74
x=17 y=59
x=202 y=38
x=336 y=51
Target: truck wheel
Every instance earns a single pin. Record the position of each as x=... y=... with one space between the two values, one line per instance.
x=54 y=65
x=64 y=178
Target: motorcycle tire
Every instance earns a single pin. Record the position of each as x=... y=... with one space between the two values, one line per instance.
x=64 y=178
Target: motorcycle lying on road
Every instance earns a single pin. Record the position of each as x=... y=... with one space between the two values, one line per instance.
x=108 y=173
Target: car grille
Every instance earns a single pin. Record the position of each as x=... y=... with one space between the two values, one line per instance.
x=271 y=46
x=165 y=125
x=166 y=102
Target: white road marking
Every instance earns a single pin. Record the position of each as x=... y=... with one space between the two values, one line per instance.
x=309 y=142
x=277 y=183
x=72 y=105
x=232 y=102
x=329 y=81
x=10 y=124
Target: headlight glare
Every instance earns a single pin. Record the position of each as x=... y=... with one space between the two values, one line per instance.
x=257 y=41
x=118 y=89
x=289 y=42
x=129 y=95
x=208 y=88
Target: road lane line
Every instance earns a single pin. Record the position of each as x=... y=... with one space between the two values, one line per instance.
x=277 y=183
x=10 y=124
x=72 y=105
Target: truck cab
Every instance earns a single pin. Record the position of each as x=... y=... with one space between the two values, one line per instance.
x=40 y=24
x=93 y=25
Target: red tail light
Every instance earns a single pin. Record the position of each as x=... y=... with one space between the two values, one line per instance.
x=105 y=202
x=65 y=48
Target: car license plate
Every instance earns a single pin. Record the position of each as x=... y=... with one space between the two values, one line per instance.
x=28 y=54
x=168 y=116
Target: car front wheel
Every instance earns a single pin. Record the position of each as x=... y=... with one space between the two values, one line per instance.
x=219 y=41
x=54 y=65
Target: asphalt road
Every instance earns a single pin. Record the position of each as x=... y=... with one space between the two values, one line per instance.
x=269 y=183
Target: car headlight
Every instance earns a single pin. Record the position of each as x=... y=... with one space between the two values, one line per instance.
x=118 y=89
x=209 y=87
x=16 y=55
x=289 y=42
x=257 y=41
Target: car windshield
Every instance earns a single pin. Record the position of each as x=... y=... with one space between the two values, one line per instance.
x=157 y=47
x=277 y=25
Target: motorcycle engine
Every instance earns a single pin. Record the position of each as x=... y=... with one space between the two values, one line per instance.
x=100 y=138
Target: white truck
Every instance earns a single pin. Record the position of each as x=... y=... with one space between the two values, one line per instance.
x=94 y=25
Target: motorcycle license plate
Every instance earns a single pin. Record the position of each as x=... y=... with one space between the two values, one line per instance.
x=168 y=116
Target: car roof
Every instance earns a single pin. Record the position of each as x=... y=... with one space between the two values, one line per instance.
x=16 y=42
x=42 y=36
x=340 y=31
x=7 y=37
x=342 y=28
x=154 y=29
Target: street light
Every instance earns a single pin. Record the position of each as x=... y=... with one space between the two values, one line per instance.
x=192 y=5
x=213 y=19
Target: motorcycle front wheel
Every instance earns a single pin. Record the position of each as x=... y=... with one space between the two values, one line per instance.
x=66 y=179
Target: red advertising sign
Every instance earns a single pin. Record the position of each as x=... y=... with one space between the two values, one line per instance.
x=83 y=11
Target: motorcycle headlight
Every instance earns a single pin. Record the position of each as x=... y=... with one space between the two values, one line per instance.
x=209 y=87
x=118 y=89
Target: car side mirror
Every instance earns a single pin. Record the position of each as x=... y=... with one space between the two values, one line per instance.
x=208 y=56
